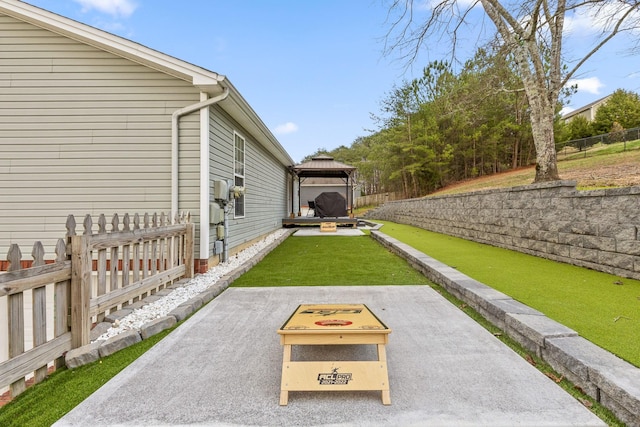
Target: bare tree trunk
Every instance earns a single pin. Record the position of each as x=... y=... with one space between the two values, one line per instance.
x=516 y=150
x=542 y=112
x=517 y=136
x=529 y=59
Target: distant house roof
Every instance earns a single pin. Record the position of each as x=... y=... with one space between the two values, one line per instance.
x=323 y=166
x=588 y=111
x=206 y=81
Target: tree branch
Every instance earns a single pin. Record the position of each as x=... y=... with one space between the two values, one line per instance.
x=633 y=6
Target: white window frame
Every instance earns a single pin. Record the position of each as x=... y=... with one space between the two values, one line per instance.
x=239 y=178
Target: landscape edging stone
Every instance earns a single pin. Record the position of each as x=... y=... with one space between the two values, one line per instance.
x=611 y=381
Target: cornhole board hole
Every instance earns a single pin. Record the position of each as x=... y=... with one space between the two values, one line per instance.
x=334 y=324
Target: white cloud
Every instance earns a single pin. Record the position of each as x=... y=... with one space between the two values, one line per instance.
x=121 y=8
x=597 y=18
x=286 y=128
x=112 y=27
x=589 y=85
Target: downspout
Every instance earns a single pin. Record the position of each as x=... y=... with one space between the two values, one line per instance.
x=175 y=117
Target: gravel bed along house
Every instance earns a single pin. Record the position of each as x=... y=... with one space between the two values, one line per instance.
x=166 y=303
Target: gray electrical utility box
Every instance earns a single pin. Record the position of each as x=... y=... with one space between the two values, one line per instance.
x=220 y=190
x=216 y=214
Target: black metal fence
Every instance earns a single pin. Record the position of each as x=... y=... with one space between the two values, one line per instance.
x=584 y=144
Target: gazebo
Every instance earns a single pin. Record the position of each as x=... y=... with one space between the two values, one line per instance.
x=322 y=166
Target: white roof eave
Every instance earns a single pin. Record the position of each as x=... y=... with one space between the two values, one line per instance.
x=242 y=112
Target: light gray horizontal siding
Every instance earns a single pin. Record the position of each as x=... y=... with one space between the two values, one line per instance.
x=189 y=170
x=221 y=129
x=266 y=182
x=83 y=131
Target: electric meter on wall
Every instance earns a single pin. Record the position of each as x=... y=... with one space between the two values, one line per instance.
x=220 y=190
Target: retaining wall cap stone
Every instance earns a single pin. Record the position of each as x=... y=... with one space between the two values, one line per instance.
x=138 y=304
x=82 y=355
x=181 y=312
x=99 y=329
x=157 y=325
x=537 y=328
x=511 y=306
x=117 y=315
x=120 y=341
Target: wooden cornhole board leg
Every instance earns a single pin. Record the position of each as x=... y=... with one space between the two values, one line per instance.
x=286 y=358
x=382 y=358
x=324 y=375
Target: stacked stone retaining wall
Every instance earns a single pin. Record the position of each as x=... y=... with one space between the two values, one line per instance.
x=598 y=229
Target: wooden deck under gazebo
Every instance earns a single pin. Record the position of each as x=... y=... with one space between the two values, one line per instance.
x=301 y=221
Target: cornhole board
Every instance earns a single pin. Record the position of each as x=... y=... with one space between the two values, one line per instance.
x=334 y=324
x=328 y=227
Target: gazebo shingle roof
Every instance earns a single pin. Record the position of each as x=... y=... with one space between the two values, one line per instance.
x=323 y=166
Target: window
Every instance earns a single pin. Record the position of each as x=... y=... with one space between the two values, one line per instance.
x=238 y=172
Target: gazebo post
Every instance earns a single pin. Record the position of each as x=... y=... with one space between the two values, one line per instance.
x=299 y=194
x=293 y=186
x=347 y=192
x=353 y=199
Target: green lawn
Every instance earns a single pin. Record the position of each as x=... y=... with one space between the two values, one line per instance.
x=602 y=308
x=46 y=402
x=328 y=261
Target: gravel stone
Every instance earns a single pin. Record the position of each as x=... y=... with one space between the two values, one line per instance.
x=177 y=298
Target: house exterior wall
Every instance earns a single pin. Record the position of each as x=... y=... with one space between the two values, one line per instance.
x=588 y=111
x=83 y=131
x=267 y=182
x=189 y=171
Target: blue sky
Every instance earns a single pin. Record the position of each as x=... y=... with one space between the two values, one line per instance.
x=313 y=70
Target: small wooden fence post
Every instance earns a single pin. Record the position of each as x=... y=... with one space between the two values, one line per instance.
x=62 y=301
x=80 y=290
x=15 y=306
x=189 y=251
x=39 y=310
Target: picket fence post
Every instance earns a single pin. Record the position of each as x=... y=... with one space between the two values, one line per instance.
x=81 y=286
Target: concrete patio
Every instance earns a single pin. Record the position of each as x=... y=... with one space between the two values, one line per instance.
x=222 y=368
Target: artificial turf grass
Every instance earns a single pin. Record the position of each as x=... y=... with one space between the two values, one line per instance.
x=329 y=261
x=46 y=402
x=603 y=308
x=603 y=413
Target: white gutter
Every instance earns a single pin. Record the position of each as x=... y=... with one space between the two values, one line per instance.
x=175 y=117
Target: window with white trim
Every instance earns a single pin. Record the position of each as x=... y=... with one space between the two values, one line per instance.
x=238 y=173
